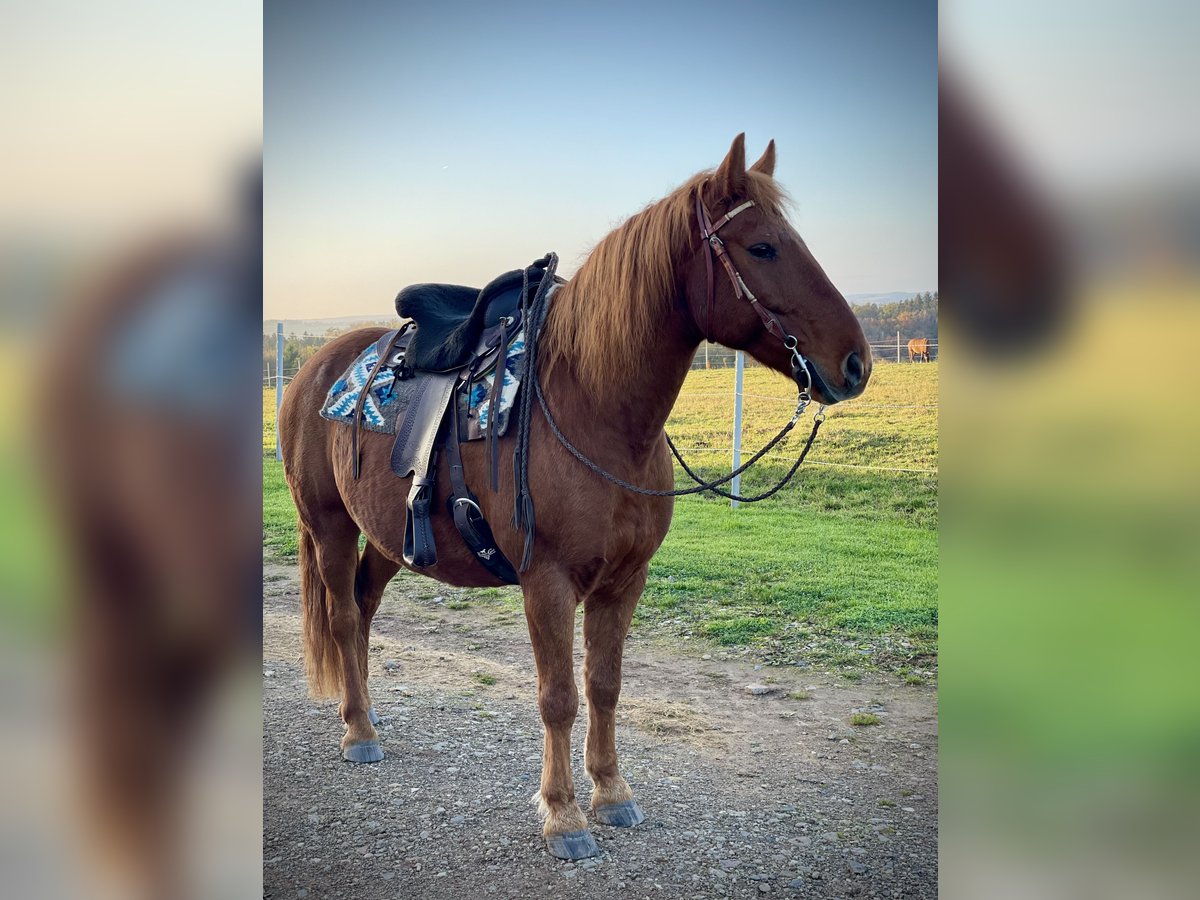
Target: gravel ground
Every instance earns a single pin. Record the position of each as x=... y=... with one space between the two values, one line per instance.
x=746 y=794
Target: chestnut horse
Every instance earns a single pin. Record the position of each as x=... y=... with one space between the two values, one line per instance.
x=918 y=349
x=618 y=341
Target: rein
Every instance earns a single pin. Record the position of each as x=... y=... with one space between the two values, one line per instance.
x=700 y=486
x=715 y=247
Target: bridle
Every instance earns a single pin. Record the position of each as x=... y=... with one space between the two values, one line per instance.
x=715 y=247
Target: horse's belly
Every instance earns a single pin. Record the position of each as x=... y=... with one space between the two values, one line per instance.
x=378 y=503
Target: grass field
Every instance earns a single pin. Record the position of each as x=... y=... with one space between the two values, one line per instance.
x=838 y=570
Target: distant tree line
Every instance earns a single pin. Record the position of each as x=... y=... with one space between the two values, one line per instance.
x=299 y=348
x=916 y=317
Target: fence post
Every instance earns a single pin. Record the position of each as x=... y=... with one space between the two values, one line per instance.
x=739 y=371
x=278 y=385
x=897 y=346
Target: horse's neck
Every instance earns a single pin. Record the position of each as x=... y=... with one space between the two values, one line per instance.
x=647 y=395
x=632 y=409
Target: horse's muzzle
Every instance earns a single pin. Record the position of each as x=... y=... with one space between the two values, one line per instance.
x=853 y=381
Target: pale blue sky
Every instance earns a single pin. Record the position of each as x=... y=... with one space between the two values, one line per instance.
x=457 y=140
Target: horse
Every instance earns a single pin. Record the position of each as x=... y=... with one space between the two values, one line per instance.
x=616 y=345
x=918 y=349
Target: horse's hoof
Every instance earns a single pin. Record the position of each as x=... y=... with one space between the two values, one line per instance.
x=572 y=845
x=621 y=815
x=367 y=752
x=373 y=716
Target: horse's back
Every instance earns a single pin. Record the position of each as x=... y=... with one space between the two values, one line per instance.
x=305 y=438
x=306 y=392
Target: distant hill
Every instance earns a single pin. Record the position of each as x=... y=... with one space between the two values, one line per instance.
x=889 y=297
x=320 y=326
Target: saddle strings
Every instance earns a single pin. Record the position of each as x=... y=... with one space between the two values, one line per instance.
x=533 y=315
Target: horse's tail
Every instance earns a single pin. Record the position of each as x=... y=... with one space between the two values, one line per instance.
x=320 y=652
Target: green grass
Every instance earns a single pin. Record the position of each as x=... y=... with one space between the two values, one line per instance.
x=839 y=570
x=279 y=515
x=778 y=571
x=269 y=420
x=864 y=719
x=739 y=630
x=484 y=678
x=893 y=425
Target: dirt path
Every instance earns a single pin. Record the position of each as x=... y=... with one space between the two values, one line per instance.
x=744 y=795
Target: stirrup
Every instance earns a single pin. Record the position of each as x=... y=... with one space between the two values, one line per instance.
x=419 y=547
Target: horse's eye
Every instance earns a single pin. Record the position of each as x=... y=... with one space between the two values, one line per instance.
x=762 y=251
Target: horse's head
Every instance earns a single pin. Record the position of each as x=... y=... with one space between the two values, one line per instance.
x=767 y=265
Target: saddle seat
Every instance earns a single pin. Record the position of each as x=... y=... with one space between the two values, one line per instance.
x=450 y=318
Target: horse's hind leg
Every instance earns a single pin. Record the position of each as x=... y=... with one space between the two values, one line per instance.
x=374 y=572
x=550 y=603
x=606 y=617
x=337 y=557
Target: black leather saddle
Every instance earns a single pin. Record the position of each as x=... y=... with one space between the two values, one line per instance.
x=451 y=318
x=429 y=420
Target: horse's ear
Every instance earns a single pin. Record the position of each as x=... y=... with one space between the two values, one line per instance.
x=731 y=174
x=766 y=162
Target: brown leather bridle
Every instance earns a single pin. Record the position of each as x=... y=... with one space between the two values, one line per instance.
x=714 y=246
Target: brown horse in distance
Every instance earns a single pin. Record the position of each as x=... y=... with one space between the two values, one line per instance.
x=617 y=344
x=918 y=349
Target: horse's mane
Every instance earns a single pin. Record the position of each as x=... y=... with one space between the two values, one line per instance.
x=603 y=319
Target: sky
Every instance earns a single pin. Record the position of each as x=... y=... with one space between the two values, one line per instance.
x=118 y=117
x=457 y=140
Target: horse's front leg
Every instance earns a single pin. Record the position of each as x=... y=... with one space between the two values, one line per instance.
x=606 y=617
x=550 y=603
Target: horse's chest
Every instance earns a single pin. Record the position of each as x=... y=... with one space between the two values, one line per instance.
x=636 y=528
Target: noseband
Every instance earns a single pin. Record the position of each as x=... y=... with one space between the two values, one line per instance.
x=715 y=247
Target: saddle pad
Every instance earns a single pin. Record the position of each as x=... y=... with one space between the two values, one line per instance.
x=389 y=398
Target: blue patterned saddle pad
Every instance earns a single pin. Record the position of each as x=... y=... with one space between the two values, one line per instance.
x=388 y=396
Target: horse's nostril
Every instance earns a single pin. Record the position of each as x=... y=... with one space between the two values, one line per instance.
x=853 y=370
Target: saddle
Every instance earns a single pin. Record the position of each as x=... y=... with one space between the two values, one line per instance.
x=456 y=334
x=451 y=318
